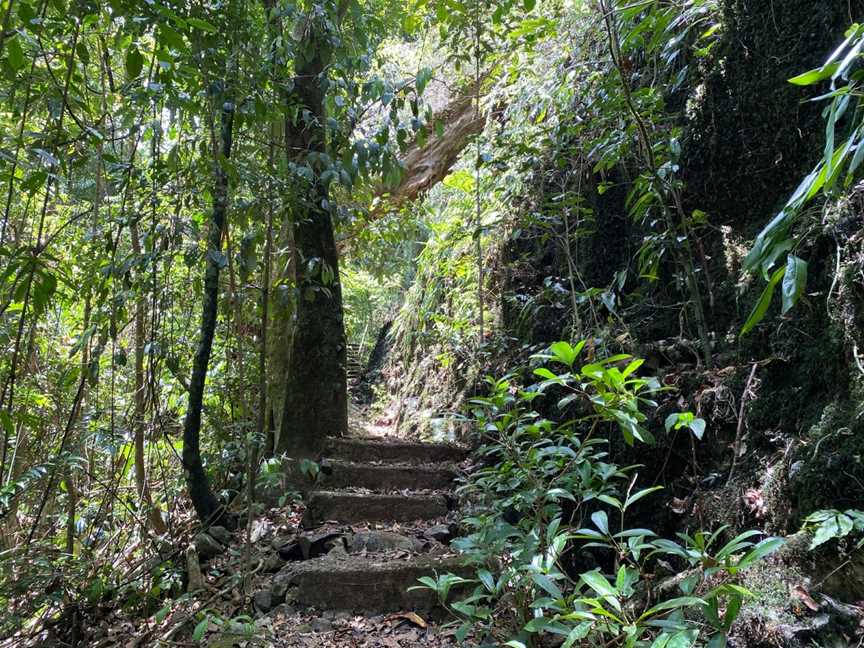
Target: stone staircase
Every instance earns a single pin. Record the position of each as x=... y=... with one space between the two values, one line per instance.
x=379 y=516
x=355 y=362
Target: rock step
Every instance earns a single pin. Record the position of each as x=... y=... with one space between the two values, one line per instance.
x=364 y=450
x=385 y=477
x=363 y=584
x=349 y=508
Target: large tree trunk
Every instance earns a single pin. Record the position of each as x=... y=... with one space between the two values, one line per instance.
x=316 y=402
x=206 y=505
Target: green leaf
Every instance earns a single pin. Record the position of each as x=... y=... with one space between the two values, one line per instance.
x=487 y=579
x=134 y=62
x=159 y=617
x=601 y=521
x=838 y=526
x=565 y=353
x=528 y=5
x=661 y=641
x=717 y=641
x=543 y=372
x=200 y=629
x=547 y=584
x=674 y=604
x=203 y=25
x=794 y=281
x=758 y=313
x=423 y=78
x=14 y=54
x=683 y=639
x=596 y=581
x=760 y=551
x=637 y=496
x=815 y=76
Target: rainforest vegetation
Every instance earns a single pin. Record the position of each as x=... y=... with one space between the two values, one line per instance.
x=528 y=323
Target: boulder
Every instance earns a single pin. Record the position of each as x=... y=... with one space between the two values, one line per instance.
x=207 y=547
x=220 y=534
x=380 y=541
x=263 y=601
x=313 y=545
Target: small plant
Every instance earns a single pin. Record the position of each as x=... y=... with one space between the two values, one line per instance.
x=833 y=525
x=543 y=481
x=310 y=469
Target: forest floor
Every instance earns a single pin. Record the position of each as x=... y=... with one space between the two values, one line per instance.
x=365 y=561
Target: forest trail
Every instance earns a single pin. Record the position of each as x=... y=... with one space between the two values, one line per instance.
x=380 y=515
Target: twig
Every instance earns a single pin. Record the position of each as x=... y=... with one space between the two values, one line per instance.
x=185 y=618
x=737 y=445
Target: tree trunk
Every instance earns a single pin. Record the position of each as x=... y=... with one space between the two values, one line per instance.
x=154 y=516
x=316 y=402
x=206 y=506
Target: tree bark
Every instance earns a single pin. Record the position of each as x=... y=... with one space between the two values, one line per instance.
x=316 y=402
x=206 y=505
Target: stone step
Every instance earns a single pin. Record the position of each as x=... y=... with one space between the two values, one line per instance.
x=385 y=477
x=364 y=450
x=363 y=584
x=348 y=508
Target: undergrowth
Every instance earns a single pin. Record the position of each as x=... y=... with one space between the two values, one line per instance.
x=550 y=502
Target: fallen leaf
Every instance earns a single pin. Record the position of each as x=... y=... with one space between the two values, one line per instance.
x=678 y=506
x=413 y=617
x=803 y=595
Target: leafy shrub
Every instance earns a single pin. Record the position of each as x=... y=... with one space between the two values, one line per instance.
x=543 y=482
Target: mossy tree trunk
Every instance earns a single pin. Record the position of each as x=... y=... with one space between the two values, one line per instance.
x=316 y=402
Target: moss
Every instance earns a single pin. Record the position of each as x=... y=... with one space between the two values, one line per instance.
x=756 y=134
x=828 y=471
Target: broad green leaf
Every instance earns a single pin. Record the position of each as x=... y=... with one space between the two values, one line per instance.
x=543 y=372
x=698 y=428
x=14 y=54
x=200 y=629
x=134 y=62
x=642 y=493
x=815 y=76
x=547 y=584
x=674 y=604
x=564 y=353
x=423 y=78
x=683 y=639
x=159 y=617
x=596 y=581
x=601 y=521
x=761 y=307
x=794 y=281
